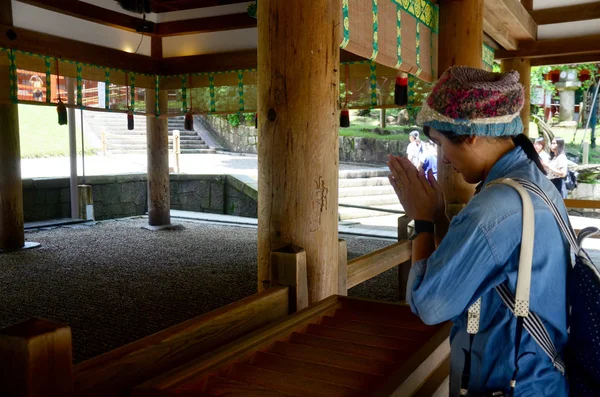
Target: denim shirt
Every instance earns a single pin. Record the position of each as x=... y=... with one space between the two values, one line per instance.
x=481 y=251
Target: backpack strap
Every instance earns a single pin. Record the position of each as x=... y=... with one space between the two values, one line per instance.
x=532 y=323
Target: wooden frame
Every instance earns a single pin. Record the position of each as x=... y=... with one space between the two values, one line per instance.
x=508 y=22
x=570 y=13
x=554 y=47
x=377 y=262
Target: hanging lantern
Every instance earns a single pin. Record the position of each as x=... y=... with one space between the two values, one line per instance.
x=61 y=109
x=584 y=75
x=401 y=90
x=256 y=120
x=130 y=124
x=345 y=117
x=554 y=75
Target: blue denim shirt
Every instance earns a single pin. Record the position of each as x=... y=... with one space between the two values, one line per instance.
x=481 y=251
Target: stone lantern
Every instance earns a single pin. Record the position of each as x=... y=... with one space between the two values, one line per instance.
x=566 y=86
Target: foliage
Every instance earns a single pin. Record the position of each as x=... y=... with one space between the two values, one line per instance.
x=359 y=131
x=237 y=119
x=538 y=72
x=496 y=68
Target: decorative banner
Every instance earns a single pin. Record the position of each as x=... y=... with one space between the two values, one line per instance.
x=157 y=95
x=184 y=81
x=399 y=35
x=12 y=70
x=132 y=91
x=107 y=89
x=48 y=64
x=487 y=57
x=373 y=79
x=211 y=79
x=375 y=30
x=241 y=90
x=346 y=24
x=79 y=85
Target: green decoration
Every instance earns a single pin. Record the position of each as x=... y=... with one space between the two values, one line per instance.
x=79 y=85
x=252 y=9
x=184 y=81
x=423 y=11
x=241 y=90
x=12 y=70
x=488 y=55
x=419 y=70
x=107 y=89
x=375 y=31
x=132 y=91
x=156 y=93
x=399 y=34
x=48 y=63
x=346 y=24
x=211 y=81
x=373 y=84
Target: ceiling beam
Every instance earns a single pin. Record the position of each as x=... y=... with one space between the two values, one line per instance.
x=566 y=59
x=89 y=12
x=60 y=47
x=572 y=13
x=508 y=22
x=204 y=25
x=159 y=6
x=554 y=47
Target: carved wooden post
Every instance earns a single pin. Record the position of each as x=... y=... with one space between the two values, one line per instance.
x=403 y=268
x=298 y=76
x=289 y=269
x=460 y=43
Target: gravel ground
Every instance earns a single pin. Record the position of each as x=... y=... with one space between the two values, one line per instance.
x=114 y=282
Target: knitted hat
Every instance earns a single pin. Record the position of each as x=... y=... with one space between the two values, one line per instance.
x=469 y=101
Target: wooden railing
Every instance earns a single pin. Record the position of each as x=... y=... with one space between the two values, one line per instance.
x=368 y=266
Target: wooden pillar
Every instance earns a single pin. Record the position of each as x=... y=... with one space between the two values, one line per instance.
x=36 y=360
x=298 y=76
x=157 y=129
x=523 y=66
x=12 y=233
x=460 y=44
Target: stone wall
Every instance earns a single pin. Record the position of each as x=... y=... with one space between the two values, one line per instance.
x=371 y=151
x=118 y=196
x=240 y=139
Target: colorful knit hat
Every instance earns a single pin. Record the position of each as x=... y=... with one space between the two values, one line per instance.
x=469 y=101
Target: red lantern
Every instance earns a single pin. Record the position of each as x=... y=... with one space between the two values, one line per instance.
x=554 y=75
x=584 y=75
x=401 y=90
x=345 y=117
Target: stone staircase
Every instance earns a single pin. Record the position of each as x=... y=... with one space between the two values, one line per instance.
x=119 y=140
x=366 y=189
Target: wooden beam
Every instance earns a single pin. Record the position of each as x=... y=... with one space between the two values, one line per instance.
x=204 y=25
x=368 y=266
x=571 y=13
x=523 y=66
x=508 y=22
x=90 y=12
x=159 y=6
x=566 y=59
x=582 y=204
x=156 y=47
x=554 y=47
x=490 y=42
x=116 y=372
x=60 y=47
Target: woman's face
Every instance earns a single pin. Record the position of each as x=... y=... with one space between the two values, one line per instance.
x=538 y=147
x=458 y=156
x=554 y=146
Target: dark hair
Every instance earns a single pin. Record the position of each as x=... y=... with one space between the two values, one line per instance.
x=541 y=141
x=560 y=147
x=520 y=140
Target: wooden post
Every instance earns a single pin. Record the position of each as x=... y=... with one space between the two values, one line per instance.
x=36 y=360
x=12 y=233
x=177 y=149
x=523 y=66
x=86 y=203
x=403 y=268
x=460 y=43
x=298 y=76
x=382 y=120
x=159 y=199
x=289 y=269
x=343 y=268
x=74 y=193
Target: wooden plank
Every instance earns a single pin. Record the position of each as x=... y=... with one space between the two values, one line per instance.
x=91 y=13
x=219 y=386
x=527 y=4
x=554 y=47
x=438 y=384
x=566 y=59
x=288 y=265
x=205 y=25
x=567 y=13
x=374 y=329
x=343 y=268
x=569 y=203
x=159 y=6
x=123 y=368
x=235 y=352
x=36 y=360
x=509 y=16
x=156 y=47
x=291 y=384
x=62 y=48
x=412 y=374
x=355 y=349
x=358 y=337
x=492 y=26
x=404 y=267
x=330 y=357
x=370 y=265
x=312 y=370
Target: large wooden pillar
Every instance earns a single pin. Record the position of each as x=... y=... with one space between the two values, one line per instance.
x=157 y=129
x=12 y=233
x=523 y=66
x=298 y=75
x=460 y=44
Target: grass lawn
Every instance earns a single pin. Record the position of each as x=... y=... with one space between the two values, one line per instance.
x=41 y=136
x=363 y=126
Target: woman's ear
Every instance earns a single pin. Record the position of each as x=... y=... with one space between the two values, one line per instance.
x=471 y=139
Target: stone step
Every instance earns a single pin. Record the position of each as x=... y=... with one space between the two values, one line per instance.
x=365 y=191
x=355 y=182
x=197 y=151
x=194 y=146
x=346 y=213
x=370 y=201
x=349 y=174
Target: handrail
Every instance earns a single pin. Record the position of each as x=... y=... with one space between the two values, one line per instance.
x=370 y=265
x=591 y=204
x=362 y=207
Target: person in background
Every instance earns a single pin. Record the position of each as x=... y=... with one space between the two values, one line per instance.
x=428 y=159
x=540 y=148
x=556 y=167
x=415 y=148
